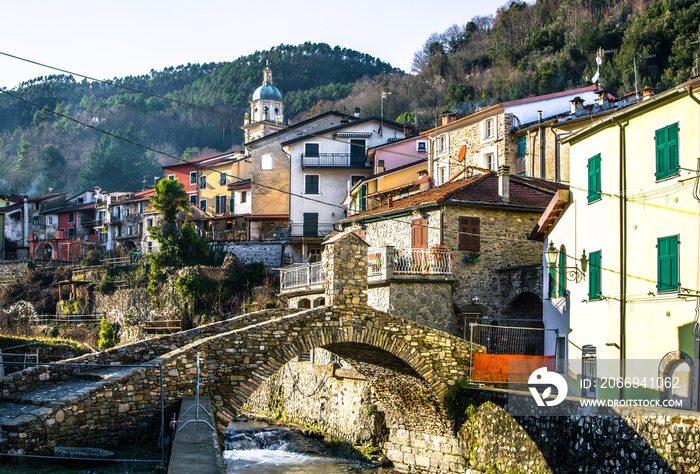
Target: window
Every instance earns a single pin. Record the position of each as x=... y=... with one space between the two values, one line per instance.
x=149 y=223
x=35 y=220
x=244 y=196
x=421 y=146
x=312 y=181
x=130 y=230
x=442 y=173
x=441 y=144
x=71 y=217
x=203 y=205
x=667 y=267
x=49 y=220
x=71 y=232
x=203 y=181
x=521 y=146
x=419 y=233
x=222 y=179
x=193 y=177
x=594 y=276
x=469 y=234
x=490 y=161
x=488 y=129
x=193 y=199
x=266 y=161
x=171 y=177
x=552 y=281
x=589 y=371
x=561 y=287
x=667 y=152
x=355 y=179
x=221 y=204
x=311 y=149
x=594 y=187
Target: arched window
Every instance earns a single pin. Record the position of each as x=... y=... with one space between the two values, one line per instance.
x=304 y=303
x=562 y=272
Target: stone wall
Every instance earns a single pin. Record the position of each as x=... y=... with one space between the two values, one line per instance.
x=425 y=301
x=133 y=301
x=625 y=440
x=267 y=252
x=13 y=270
x=333 y=400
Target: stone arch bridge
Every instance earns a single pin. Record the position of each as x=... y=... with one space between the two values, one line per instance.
x=236 y=356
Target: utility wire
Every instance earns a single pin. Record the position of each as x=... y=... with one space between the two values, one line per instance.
x=158 y=151
x=179 y=102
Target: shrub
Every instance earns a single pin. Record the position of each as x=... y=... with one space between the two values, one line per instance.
x=108 y=335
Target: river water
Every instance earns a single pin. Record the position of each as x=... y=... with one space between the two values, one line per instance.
x=256 y=447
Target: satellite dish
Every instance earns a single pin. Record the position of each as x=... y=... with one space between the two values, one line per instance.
x=598 y=60
x=594 y=79
x=462 y=152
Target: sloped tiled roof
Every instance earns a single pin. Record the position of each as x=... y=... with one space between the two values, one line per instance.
x=478 y=190
x=137 y=197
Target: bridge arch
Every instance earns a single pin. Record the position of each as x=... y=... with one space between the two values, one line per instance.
x=235 y=363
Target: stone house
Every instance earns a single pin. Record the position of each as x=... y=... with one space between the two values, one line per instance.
x=25 y=221
x=485 y=138
x=476 y=226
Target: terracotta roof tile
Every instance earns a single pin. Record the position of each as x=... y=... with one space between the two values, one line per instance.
x=523 y=192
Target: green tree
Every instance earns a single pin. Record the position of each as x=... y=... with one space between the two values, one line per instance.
x=179 y=245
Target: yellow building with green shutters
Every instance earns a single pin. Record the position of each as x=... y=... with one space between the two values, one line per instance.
x=632 y=221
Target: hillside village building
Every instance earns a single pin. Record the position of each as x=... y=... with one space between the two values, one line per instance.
x=627 y=238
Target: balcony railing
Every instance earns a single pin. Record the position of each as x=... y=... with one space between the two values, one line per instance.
x=306 y=230
x=333 y=160
x=435 y=261
x=302 y=276
x=423 y=261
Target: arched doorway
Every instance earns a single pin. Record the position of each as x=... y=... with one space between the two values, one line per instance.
x=43 y=252
x=676 y=368
x=525 y=310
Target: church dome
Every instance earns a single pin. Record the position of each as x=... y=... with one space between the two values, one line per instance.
x=268 y=92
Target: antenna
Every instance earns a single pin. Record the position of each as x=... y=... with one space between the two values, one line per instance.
x=636 y=87
x=599 y=60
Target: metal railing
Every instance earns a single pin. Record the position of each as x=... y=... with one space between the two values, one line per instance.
x=301 y=230
x=333 y=160
x=423 y=261
x=303 y=275
x=512 y=353
x=374 y=262
x=44 y=319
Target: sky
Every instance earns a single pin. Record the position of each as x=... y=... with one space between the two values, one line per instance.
x=118 y=39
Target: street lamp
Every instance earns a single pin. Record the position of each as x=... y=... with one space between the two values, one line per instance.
x=572 y=273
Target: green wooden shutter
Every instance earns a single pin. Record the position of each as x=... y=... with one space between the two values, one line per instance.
x=552 y=281
x=667 y=266
x=594 y=178
x=661 y=160
x=562 y=272
x=672 y=145
x=594 y=277
x=231 y=202
x=218 y=207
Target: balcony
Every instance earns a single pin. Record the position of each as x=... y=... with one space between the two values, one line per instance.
x=333 y=160
x=408 y=263
x=302 y=276
x=310 y=230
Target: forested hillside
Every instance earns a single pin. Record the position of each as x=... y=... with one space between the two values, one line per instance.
x=40 y=150
x=523 y=49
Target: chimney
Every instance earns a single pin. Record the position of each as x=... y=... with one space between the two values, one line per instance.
x=448 y=117
x=357 y=112
x=602 y=98
x=648 y=92
x=423 y=180
x=539 y=116
x=407 y=132
x=344 y=119
x=380 y=166
x=576 y=106
x=504 y=183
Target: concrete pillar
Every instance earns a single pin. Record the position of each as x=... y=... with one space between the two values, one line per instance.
x=346 y=270
x=388 y=263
